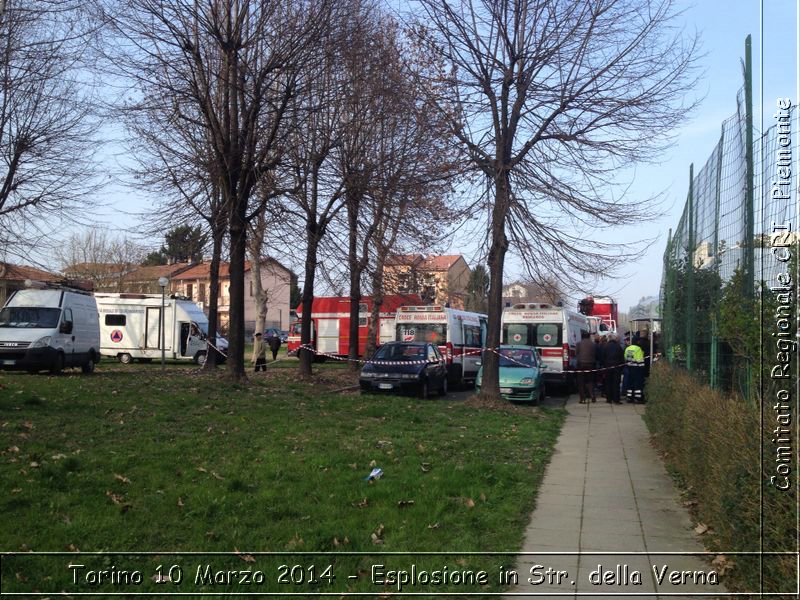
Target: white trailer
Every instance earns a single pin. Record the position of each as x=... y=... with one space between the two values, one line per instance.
x=130 y=328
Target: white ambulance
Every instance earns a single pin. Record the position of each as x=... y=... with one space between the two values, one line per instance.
x=49 y=327
x=553 y=330
x=460 y=336
x=130 y=328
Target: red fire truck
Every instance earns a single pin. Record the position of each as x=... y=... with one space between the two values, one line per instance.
x=330 y=323
x=604 y=308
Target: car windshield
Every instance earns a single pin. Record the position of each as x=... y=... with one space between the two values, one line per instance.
x=399 y=352
x=516 y=358
x=29 y=317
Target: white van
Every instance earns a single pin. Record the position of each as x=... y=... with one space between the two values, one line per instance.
x=553 y=330
x=130 y=328
x=459 y=334
x=49 y=327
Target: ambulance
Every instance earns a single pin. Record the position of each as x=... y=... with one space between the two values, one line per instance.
x=460 y=336
x=553 y=330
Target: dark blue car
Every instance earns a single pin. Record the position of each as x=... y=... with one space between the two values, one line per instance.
x=403 y=367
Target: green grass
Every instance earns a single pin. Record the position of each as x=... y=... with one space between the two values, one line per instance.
x=136 y=459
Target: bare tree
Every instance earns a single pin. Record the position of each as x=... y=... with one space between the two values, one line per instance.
x=46 y=125
x=318 y=190
x=550 y=98
x=229 y=68
x=105 y=260
x=393 y=145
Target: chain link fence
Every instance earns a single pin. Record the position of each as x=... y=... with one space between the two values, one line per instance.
x=720 y=260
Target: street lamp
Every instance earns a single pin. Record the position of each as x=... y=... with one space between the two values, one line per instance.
x=162 y=281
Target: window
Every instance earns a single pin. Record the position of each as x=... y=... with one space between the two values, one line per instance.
x=115 y=320
x=533 y=334
x=472 y=336
x=548 y=334
x=422 y=332
x=189 y=290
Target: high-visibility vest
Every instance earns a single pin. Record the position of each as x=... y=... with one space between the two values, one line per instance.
x=634 y=353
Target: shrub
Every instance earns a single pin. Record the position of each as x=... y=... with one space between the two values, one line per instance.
x=711 y=442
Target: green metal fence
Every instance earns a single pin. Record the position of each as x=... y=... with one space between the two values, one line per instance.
x=719 y=262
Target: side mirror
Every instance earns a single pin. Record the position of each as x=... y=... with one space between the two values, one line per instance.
x=66 y=327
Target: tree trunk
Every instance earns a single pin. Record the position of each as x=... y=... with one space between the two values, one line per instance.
x=238 y=240
x=355 y=277
x=217 y=235
x=490 y=388
x=373 y=329
x=260 y=296
x=307 y=356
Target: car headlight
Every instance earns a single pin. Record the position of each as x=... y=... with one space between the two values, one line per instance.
x=368 y=375
x=407 y=375
x=526 y=380
x=41 y=342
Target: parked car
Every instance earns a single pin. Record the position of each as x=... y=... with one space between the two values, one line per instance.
x=521 y=377
x=398 y=367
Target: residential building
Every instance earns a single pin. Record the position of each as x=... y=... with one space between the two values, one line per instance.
x=12 y=277
x=105 y=277
x=518 y=291
x=144 y=280
x=124 y=277
x=437 y=279
x=276 y=280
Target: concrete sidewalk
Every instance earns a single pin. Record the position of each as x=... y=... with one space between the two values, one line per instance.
x=607 y=491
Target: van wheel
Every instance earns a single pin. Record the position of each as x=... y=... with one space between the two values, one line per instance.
x=125 y=358
x=88 y=366
x=200 y=358
x=58 y=364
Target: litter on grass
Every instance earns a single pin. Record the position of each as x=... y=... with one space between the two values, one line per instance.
x=376 y=473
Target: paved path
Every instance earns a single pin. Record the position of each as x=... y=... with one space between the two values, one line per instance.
x=606 y=490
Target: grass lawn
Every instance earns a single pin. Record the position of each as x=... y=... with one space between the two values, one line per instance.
x=133 y=459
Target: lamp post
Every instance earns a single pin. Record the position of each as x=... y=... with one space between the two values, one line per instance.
x=162 y=281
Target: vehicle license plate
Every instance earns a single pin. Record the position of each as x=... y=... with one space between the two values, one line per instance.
x=505 y=390
x=384 y=386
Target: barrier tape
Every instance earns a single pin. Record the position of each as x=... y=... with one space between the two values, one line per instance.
x=209 y=344
x=466 y=353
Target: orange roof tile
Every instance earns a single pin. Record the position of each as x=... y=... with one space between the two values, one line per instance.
x=23 y=272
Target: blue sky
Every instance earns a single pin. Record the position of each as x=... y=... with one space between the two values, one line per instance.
x=723 y=28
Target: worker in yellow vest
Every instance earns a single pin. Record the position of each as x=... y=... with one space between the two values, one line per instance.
x=634 y=373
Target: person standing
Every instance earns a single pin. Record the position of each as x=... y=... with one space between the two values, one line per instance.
x=613 y=360
x=586 y=355
x=274 y=345
x=600 y=374
x=634 y=380
x=259 y=353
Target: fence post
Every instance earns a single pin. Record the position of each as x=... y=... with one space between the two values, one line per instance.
x=717 y=259
x=690 y=304
x=749 y=212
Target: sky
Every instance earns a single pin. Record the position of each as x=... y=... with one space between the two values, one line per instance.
x=723 y=27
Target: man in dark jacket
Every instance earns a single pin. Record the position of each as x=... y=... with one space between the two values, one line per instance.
x=613 y=361
x=586 y=355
